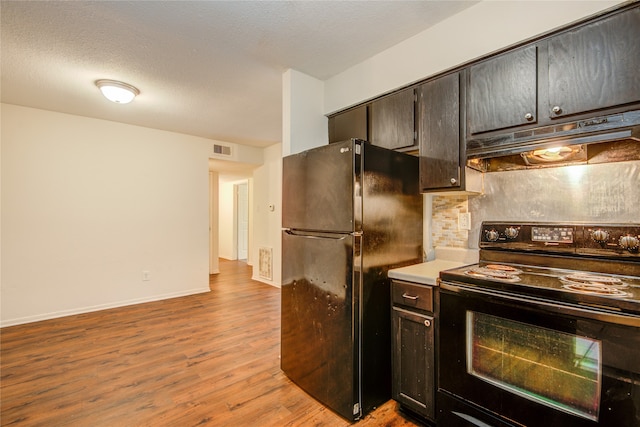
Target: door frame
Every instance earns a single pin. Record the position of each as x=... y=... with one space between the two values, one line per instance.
x=242 y=220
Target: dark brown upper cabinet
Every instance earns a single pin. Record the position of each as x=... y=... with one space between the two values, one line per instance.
x=392 y=120
x=439 y=133
x=349 y=124
x=442 y=149
x=503 y=91
x=513 y=99
x=595 y=66
x=589 y=68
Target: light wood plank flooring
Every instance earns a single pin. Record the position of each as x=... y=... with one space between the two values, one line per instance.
x=208 y=359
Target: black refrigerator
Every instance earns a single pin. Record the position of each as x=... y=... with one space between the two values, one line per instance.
x=351 y=211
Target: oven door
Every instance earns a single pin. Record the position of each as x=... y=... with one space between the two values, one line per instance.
x=506 y=360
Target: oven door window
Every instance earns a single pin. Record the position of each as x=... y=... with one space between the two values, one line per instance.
x=554 y=368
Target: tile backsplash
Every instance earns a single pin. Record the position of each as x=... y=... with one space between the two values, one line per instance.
x=444 y=221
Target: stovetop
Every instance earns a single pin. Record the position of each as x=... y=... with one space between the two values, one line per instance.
x=584 y=264
x=606 y=291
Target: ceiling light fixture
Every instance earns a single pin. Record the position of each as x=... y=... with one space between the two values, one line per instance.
x=118 y=92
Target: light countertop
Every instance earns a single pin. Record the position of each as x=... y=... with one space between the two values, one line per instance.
x=426 y=273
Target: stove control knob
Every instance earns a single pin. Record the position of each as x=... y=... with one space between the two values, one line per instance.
x=492 y=235
x=629 y=242
x=511 y=232
x=600 y=236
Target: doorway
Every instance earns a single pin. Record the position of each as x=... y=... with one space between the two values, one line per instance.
x=230 y=222
x=233 y=219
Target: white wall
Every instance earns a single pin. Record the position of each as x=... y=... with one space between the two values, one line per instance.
x=304 y=125
x=88 y=204
x=267 y=223
x=479 y=30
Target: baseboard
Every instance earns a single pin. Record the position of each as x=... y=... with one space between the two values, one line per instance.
x=268 y=282
x=64 y=313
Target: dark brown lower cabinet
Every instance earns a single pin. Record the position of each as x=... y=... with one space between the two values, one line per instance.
x=413 y=352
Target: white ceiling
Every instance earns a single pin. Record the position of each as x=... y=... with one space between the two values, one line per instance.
x=206 y=68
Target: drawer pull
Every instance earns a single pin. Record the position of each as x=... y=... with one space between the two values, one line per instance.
x=427 y=323
x=411 y=297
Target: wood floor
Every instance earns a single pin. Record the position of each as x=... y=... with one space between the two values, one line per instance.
x=207 y=359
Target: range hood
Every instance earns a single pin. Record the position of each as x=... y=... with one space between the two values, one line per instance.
x=604 y=139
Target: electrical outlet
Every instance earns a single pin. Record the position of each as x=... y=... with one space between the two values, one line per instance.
x=464 y=221
x=146 y=276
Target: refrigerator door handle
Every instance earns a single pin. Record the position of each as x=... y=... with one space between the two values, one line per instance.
x=331 y=236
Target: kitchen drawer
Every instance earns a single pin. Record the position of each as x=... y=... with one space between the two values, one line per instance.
x=412 y=295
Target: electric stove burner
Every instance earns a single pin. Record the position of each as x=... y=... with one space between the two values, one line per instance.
x=595 y=289
x=505 y=268
x=594 y=284
x=496 y=272
x=594 y=279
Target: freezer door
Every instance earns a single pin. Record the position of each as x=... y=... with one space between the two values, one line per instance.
x=318 y=188
x=319 y=349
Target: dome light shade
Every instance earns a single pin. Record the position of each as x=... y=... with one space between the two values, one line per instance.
x=118 y=92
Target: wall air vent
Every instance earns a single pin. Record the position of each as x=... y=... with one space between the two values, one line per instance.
x=265 y=257
x=222 y=150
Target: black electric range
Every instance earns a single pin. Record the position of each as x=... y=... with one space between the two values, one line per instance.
x=544 y=330
x=596 y=265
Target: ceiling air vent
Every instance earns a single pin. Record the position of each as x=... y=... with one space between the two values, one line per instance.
x=222 y=150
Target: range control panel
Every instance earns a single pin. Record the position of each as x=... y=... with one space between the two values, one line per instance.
x=609 y=240
x=552 y=234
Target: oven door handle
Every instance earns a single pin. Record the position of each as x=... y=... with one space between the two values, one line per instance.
x=583 y=311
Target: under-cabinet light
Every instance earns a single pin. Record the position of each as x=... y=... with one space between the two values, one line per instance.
x=555 y=155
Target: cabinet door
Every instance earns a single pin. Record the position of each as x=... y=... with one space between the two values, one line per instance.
x=413 y=361
x=439 y=133
x=392 y=120
x=595 y=66
x=349 y=124
x=503 y=91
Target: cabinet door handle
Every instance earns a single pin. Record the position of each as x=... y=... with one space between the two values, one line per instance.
x=528 y=116
x=411 y=297
x=454 y=181
x=427 y=322
x=556 y=109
